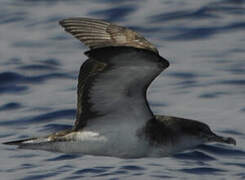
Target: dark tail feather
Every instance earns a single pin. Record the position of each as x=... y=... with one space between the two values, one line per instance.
x=18 y=142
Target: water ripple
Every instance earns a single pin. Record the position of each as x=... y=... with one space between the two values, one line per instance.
x=13 y=89
x=212 y=95
x=183 y=14
x=6 y=18
x=202 y=170
x=63 y=157
x=183 y=75
x=45 y=117
x=12 y=77
x=10 y=81
x=216 y=150
x=42 y=175
x=132 y=168
x=196 y=155
x=53 y=127
x=35 y=67
x=90 y=171
x=10 y=106
x=114 y=14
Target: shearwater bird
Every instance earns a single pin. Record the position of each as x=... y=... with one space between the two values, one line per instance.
x=113 y=116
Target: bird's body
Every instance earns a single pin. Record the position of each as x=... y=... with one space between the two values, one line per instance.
x=123 y=142
x=113 y=115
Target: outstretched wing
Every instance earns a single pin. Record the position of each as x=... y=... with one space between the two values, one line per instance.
x=112 y=83
x=97 y=33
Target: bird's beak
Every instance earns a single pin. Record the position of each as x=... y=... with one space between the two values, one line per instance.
x=220 y=139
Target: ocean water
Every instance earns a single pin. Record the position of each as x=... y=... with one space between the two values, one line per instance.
x=204 y=42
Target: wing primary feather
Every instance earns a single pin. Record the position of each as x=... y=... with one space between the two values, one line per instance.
x=112 y=34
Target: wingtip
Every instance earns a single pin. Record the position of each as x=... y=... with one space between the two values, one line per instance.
x=62 y=22
x=96 y=33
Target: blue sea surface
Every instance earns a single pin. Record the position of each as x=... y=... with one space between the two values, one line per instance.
x=204 y=42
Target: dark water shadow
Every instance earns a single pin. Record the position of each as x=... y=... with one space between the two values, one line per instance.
x=113 y=1
x=212 y=11
x=241 y=165
x=116 y=172
x=202 y=171
x=45 y=117
x=221 y=150
x=194 y=155
x=132 y=168
x=203 y=12
x=49 y=64
x=235 y=82
x=41 y=176
x=48 y=2
x=90 y=171
x=242 y=110
x=35 y=67
x=193 y=33
x=104 y=171
x=13 y=89
x=50 y=61
x=13 y=60
x=63 y=157
x=212 y=95
x=238 y=69
x=232 y=132
x=14 y=17
x=14 y=78
x=10 y=106
x=188 y=79
x=114 y=14
x=12 y=82
x=53 y=127
x=185 y=84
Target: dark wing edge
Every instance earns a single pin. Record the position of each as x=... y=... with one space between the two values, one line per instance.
x=88 y=70
x=96 y=33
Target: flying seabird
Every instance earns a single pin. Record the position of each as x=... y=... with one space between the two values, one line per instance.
x=113 y=116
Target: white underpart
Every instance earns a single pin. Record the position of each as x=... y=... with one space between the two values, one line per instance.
x=112 y=144
x=93 y=143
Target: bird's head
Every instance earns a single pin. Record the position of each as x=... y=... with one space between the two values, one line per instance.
x=203 y=131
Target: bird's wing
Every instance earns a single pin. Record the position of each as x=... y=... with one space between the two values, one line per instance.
x=112 y=83
x=96 y=33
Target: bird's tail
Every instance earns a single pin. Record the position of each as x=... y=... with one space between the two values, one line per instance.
x=23 y=141
x=44 y=142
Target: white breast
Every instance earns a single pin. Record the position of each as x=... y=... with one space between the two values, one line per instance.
x=108 y=144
